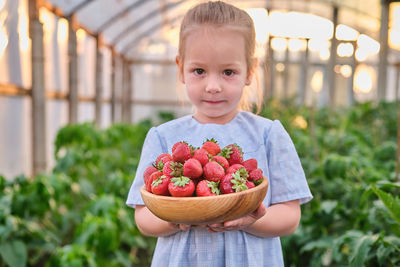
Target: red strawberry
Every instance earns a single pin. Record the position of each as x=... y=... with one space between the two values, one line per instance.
x=182 y=142
x=233 y=153
x=221 y=160
x=161 y=160
x=172 y=169
x=181 y=152
x=234 y=182
x=250 y=184
x=225 y=185
x=160 y=185
x=192 y=168
x=148 y=171
x=213 y=171
x=201 y=155
x=250 y=164
x=152 y=177
x=211 y=146
x=176 y=144
x=181 y=187
x=207 y=188
x=256 y=176
x=234 y=168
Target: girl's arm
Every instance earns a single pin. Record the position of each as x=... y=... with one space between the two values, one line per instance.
x=151 y=225
x=277 y=220
x=280 y=219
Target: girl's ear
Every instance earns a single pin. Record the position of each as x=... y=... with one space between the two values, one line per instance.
x=179 y=64
x=251 y=71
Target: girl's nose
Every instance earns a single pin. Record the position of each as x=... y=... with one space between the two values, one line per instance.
x=213 y=86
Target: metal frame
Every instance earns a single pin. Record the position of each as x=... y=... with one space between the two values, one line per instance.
x=163 y=8
x=141 y=21
x=117 y=16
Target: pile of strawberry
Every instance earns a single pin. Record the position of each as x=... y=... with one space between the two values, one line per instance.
x=205 y=171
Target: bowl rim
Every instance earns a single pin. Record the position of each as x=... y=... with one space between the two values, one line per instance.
x=263 y=184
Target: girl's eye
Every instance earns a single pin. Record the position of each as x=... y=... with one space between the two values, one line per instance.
x=198 y=71
x=228 y=72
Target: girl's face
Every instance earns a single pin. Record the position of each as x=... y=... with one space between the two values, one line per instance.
x=214 y=72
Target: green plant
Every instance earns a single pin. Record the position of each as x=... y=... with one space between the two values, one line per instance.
x=352 y=158
x=76 y=215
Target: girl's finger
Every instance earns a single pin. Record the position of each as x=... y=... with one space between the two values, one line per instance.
x=214 y=227
x=184 y=227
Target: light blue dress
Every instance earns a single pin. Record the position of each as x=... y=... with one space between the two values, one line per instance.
x=260 y=138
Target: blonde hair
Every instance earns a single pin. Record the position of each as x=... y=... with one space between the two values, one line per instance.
x=221 y=14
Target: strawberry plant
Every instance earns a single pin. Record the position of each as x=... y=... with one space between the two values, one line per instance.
x=76 y=215
x=349 y=157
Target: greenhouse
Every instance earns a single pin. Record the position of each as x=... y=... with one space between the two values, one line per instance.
x=83 y=81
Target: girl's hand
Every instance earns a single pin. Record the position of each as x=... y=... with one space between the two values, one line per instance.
x=184 y=227
x=239 y=224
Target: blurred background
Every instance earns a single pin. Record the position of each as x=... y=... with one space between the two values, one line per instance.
x=81 y=81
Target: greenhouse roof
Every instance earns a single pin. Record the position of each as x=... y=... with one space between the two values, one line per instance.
x=125 y=24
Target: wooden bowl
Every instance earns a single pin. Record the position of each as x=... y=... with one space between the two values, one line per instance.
x=205 y=210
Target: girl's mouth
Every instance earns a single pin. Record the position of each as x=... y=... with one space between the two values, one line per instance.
x=213 y=102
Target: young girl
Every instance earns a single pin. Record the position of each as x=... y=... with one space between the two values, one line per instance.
x=216 y=61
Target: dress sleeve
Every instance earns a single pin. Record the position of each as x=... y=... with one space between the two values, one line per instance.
x=287 y=178
x=152 y=148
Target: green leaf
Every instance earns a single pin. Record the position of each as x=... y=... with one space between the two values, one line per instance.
x=139 y=241
x=210 y=140
x=392 y=241
x=159 y=180
x=387 y=184
x=239 y=183
x=382 y=254
x=181 y=181
x=214 y=187
x=344 y=240
x=14 y=253
x=361 y=250
x=391 y=203
x=329 y=205
x=122 y=258
x=74 y=255
x=323 y=243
